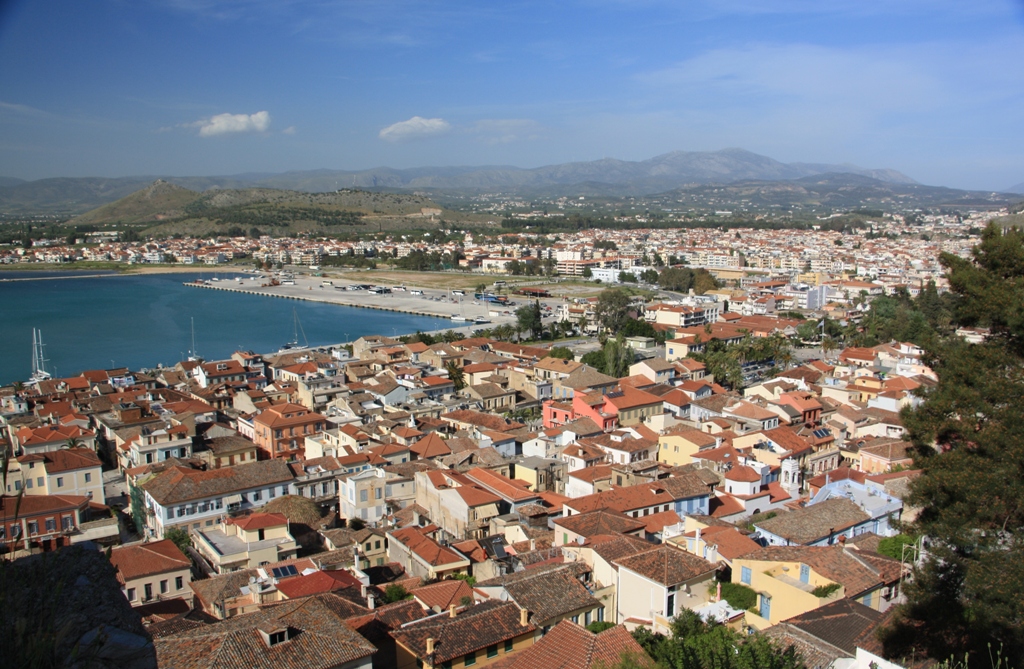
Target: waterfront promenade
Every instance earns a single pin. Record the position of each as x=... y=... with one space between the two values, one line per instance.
x=429 y=302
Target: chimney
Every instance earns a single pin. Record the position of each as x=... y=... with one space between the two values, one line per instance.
x=371 y=602
x=533 y=544
x=451 y=611
x=430 y=645
x=718 y=592
x=524 y=617
x=696 y=544
x=362 y=590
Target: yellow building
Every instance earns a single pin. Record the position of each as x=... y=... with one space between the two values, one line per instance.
x=157 y=571
x=791 y=580
x=69 y=471
x=246 y=542
x=680 y=443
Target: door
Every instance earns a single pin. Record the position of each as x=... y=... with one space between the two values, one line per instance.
x=766 y=607
x=805 y=573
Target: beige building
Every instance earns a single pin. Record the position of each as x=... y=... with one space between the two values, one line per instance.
x=246 y=542
x=69 y=471
x=654 y=586
x=157 y=571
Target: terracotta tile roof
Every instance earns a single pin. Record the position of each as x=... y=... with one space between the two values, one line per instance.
x=179 y=484
x=840 y=623
x=513 y=490
x=317 y=583
x=473 y=629
x=157 y=557
x=426 y=548
x=569 y=646
x=551 y=594
x=430 y=446
x=663 y=491
x=612 y=548
x=485 y=420
x=439 y=596
x=31 y=505
x=323 y=640
x=599 y=522
x=811 y=523
x=667 y=565
x=729 y=541
x=656 y=522
x=67 y=459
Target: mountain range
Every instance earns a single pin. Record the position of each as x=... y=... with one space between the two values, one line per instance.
x=609 y=177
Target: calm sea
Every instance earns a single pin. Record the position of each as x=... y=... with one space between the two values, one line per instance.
x=140 y=321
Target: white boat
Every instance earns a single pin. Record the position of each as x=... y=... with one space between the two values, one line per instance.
x=460 y=319
x=480 y=319
x=293 y=345
x=39 y=372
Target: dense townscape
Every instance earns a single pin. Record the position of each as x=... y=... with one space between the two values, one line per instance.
x=727 y=458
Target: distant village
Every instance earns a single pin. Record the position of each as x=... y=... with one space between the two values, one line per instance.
x=480 y=502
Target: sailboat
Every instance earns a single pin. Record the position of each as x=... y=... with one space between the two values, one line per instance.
x=460 y=318
x=39 y=372
x=193 y=356
x=294 y=343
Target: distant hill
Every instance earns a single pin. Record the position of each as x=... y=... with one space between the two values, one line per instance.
x=1019 y=188
x=157 y=201
x=608 y=176
x=839 y=191
x=164 y=208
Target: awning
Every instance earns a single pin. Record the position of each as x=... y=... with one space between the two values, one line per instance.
x=233 y=499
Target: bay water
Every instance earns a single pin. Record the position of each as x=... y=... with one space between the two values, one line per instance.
x=140 y=321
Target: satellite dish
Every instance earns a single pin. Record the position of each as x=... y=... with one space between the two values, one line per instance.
x=252 y=579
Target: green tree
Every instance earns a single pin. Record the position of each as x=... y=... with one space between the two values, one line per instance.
x=612 y=310
x=587 y=273
x=528 y=317
x=696 y=644
x=180 y=538
x=599 y=626
x=562 y=352
x=395 y=593
x=455 y=374
x=969 y=440
x=595 y=359
x=617 y=358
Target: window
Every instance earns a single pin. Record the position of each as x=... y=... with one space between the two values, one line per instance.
x=745 y=575
x=148 y=590
x=586 y=619
x=28 y=484
x=179 y=583
x=576 y=619
x=508 y=645
x=377 y=493
x=66 y=522
x=88 y=477
x=163 y=586
x=492 y=651
x=3 y=532
x=600 y=615
x=51 y=524
x=131 y=594
x=33 y=527
x=376 y=544
x=256 y=496
x=271 y=495
x=362 y=495
x=470 y=659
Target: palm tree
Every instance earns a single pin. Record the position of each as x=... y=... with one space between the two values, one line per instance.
x=71 y=443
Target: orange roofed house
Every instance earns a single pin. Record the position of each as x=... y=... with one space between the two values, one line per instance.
x=281 y=431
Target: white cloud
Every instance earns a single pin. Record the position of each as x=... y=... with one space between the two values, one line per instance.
x=290 y=130
x=223 y=124
x=415 y=128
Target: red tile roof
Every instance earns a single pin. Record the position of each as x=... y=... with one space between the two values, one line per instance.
x=157 y=557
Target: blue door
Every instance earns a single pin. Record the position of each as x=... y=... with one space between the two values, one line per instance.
x=766 y=607
x=805 y=573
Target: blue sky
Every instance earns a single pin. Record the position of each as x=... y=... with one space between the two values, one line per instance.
x=933 y=88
